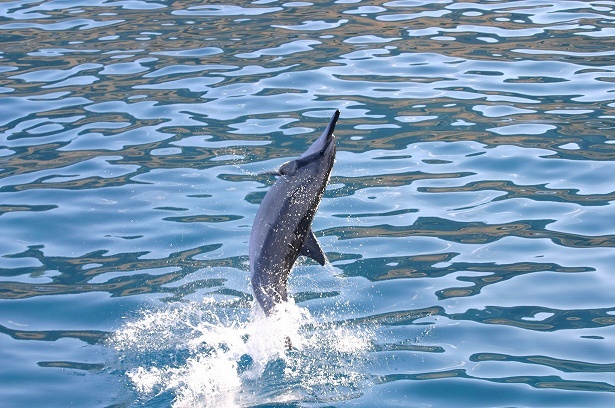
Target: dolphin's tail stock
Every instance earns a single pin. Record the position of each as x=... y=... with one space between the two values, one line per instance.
x=288 y=343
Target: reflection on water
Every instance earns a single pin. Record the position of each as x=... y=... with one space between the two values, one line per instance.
x=468 y=220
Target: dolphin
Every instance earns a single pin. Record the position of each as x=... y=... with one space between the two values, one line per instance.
x=282 y=227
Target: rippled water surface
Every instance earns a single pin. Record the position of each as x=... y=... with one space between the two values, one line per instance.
x=469 y=221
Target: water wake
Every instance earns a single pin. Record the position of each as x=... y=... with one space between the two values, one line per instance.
x=205 y=354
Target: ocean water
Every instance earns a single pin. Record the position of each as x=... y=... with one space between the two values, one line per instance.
x=469 y=221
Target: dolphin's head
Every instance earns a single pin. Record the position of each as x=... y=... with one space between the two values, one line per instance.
x=325 y=144
x=320 y=155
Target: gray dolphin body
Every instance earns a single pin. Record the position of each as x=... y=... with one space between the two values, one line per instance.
x=282 y=227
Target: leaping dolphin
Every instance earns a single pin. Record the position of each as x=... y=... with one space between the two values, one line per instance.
x=282 y=227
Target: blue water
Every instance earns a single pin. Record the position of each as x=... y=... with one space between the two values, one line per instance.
x=469 y=221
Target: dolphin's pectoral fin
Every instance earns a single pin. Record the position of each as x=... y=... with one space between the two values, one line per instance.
x=311 y=248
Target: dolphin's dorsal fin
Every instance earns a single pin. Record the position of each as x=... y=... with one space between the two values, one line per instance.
x=311 y=248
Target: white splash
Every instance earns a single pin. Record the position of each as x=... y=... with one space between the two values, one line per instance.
x=209 y=355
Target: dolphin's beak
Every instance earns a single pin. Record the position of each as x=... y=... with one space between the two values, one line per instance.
x=325 y=139
x=331 y=127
